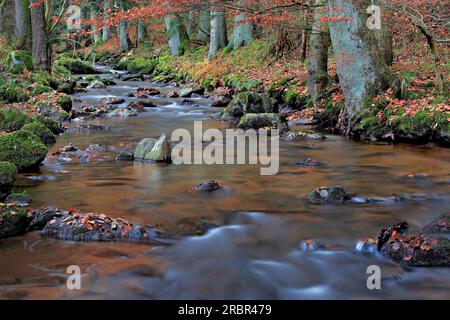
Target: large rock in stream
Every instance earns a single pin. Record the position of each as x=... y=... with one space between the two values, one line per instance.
x=154 y=150
x=13 y=220
x=328 y=194
x=249 y=102
x=262 y=120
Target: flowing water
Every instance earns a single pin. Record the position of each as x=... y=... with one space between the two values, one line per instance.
x=255 y=252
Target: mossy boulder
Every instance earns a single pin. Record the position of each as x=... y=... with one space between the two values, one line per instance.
x=76 y=66
x=302 y=135
x=65 y=102
x=22 y=148
x=20 y=198
x=154 y=150
x=250 y=102
x=8 y=173
x=11 y=92
x=55 y=126
x=13 y=220
x=41 y=131
x=13 y=120
x=48 y=109
x=261 y=120
x=19 y=60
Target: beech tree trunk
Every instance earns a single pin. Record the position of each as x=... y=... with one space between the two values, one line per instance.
x=318 y=53
x=218 y=32
x=123 y=35
x=40 y=47
x=242 y=32
x=23 y=24
x=141 y=31
x=178 y=37
x=7 y=18
x=204 y=25
x=94 y=27
x=106 y=29
x=359 y=63
x=191 y=23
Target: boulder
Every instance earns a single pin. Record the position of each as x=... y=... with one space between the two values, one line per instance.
x=262 y=120
x=22 y=148
x=41 y=131
x=19 y=199
x=249 y=102
x=207 y=186
x=96 y=85
x=301 y=135
x=8 y=173
x=13 y=220
x=122 y=112
x=13 y=120
x=154 y=150
x=328 y=194
x=189 y=91
x=125 y=156
x=140 y=105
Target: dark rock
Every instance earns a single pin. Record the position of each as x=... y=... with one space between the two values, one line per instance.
x=173 y=94
x=140 y=106
x=262 y=120
x=311 y=245
x=331 y=194
x=96 y=85
x=366 y=245
x=186 y=102
x=441 y=226
x=250 y=102
x=300 y=135
x=13 y=220
x=308 y=163
x=221 y=102
x=41 y=216
x=20 y=199
x=207 y=186
x=125 y=156
x=194 y=226
x=189 y=91
x=93 y=127
x=113 y=100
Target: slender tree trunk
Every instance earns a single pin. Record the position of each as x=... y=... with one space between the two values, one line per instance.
x=178 y=37
x=123 y=35
x=242 y=32
x=94 y=27
x=204 y=25
x=191 y=23
x=359 y=62
x=40 y=50
x=304 y=37
x=7 y=19
x=318 y=53
x=23 y=23
x=106 y=29
x=141 y=31
x=218 y=32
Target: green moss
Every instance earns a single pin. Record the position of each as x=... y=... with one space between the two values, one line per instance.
x=13 y=120
x=12 y=92
x=65 y=102
x=13 y=220
x=19 y=60
x=23 y=149
x=19 y=198
x=141 y=65
x=296 y=100
x=8 y=173
x=39 y=89
x=41 y=131
x=55 y=126
x=75 y=66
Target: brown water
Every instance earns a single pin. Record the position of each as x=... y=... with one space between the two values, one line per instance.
x=255 y=253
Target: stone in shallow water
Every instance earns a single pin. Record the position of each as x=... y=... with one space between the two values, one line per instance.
x=207 y=186
x=311 y=245
x=154 y=150
x=125 y=156
x=96 y=85
x=328 y=194
x=310 y=162
x=366 y=245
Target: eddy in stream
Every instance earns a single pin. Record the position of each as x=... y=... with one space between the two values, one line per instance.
x=229 y=149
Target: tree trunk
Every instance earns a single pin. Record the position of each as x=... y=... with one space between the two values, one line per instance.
x=218 y=32
x=318 y=54
x=123 y=35
x=191 y=23
x=359 y=62
x=242 y=32
x=94 y=26
x=106 y=29
x=304 y=37
x=7 y=17
x=204 y=25
x=384 y=36
x=177 y=35
x=40 y=48
x=23 y=24
x=141 y=31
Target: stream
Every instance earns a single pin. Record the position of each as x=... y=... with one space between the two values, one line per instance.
x=255 y=252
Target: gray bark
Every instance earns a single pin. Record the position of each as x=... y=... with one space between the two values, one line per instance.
x=94 y=27
x=123 y=35
x=106 y=29
x=204 y=25
x=218 y=32
x=191 y=23
x=318 y=54
x=359 y=63
x=23 y=23
x=242 y=32
x=177 y=35
x=7 y=20
x=40 y=50
x=141 y=31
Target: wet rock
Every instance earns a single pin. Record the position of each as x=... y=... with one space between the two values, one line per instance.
x=138 y=77
x=22 y=199
x=113 y=100
x=139 y=106
x=125 y=156
x=144 y=92
x=41 y=216
x=249 y=102
x=261 y=120
x=187 y=102
x=93 y=127
x=207 y=186
x=173 y=94
x=75 y=226
x=221 y=102
x=68 y=148
x=311 y=245
x=41 y=131
x=189 y=91
x=366 y=245
x=328 y=194
x=441 y=226
x=8 y=174
x=154 y=150
x=310 y=162
x=194 y=226
x=122 y=112
x=96 y=85
x=96 y=148
x=13 y=220
x=301 y=135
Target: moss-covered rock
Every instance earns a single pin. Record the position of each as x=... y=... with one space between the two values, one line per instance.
x=13 y=120
x=48 y=109
x=141 y=65
x=13 y=220
x=76 y=66
x=11 y=92
x=55 y=126
x=41 y=131
x=154 y=150
x=19 y=60
x=249 y=102
x=23 y=149
x=8 y=173
x=20 y=198
x=65 y=102
x=330 y=194
x=262 y=120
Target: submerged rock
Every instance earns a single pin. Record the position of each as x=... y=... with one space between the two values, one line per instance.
x=21 y=199
x=207 y=186
x=310 y=162
x=300 y=135
x=96 y=85
x=125 y=156
x=139 y=106
x=154 y=150
x=330 y=194
x=262 y=120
